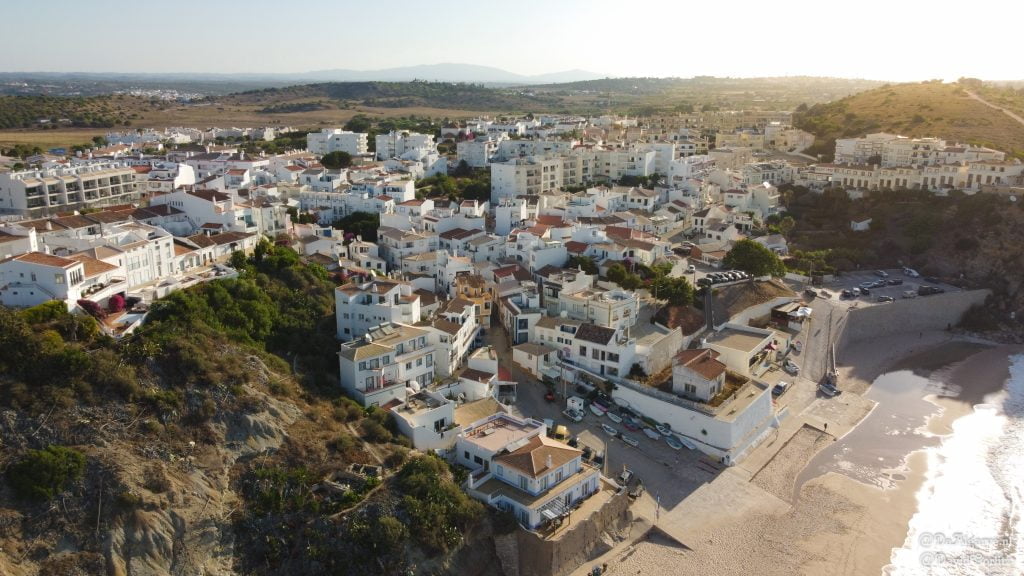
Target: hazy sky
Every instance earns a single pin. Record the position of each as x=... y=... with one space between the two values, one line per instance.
x=886 y=40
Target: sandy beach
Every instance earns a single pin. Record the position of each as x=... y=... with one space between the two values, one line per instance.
x=778 y=522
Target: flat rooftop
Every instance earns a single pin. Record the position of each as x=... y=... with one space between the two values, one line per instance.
x=737 y=340
x=498 y=432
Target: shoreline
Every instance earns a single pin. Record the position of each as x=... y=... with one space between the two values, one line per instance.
x=836 y=525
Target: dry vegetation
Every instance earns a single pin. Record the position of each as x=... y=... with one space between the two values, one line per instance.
x=922 y=109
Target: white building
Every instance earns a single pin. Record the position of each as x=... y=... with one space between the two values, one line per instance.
x=514 y=466
x=67 y=188
x=397 y=144
x=337 y=140
x=389 y=358
x=361 y=306
x=35 y=277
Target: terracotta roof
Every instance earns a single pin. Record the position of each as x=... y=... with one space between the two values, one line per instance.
x=702 y=361
x=446 y=326
x=596 y=334
x=460 y=233
x=201 y=240
x=43 y=259
x=210 y=195
x=92 y=266
x=534 y=348
x=576 y=247
x=549 y=220
x=476 y=375
x=427 y=297
x=533 y=457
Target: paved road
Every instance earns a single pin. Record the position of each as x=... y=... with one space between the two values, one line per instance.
x=996 y=107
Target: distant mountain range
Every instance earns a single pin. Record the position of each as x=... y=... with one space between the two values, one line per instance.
x=430 y=72
x=448 y=73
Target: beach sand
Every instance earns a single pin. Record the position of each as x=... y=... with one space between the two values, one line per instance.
x=837 y=525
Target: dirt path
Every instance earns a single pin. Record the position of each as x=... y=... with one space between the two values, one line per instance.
x=993 y=106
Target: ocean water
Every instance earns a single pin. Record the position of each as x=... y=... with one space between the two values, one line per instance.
x=970 y=517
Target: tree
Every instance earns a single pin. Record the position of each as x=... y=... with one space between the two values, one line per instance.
x=752 y=257
x=99 y=141
x=462 y=170
x=336 y=159
x=786 y=225
x=42 y=474
x=585 y=263
x=358 y=123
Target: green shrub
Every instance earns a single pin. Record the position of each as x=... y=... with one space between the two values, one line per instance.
x=42 y=474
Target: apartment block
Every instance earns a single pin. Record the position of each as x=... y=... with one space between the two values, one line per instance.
x=34 y=193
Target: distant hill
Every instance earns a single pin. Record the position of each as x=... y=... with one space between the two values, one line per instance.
x=919 y=109
x=444 y=73
x=443 y=95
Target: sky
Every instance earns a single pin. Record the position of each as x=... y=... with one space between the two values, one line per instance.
x=892 y=40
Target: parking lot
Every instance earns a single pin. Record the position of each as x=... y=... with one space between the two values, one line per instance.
x=850 y=280
x=668 y=474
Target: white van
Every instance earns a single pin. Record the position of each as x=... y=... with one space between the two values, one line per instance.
x=910 y=272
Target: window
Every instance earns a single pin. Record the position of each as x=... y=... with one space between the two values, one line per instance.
x=362 y=365
x=430 y=360
x=690 y=389
x=522 y=482
x=369 y=381
x=583 y=351
x=419 y=362
x=613 y=357
x=466 y=455
x=595 y=353
x=408 y=365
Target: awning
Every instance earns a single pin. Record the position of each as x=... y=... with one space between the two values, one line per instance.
x=548 y=514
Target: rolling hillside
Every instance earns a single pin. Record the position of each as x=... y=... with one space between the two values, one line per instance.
x=926 y=109
x=442 y=95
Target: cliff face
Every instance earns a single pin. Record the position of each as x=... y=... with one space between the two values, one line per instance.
x=152 y=500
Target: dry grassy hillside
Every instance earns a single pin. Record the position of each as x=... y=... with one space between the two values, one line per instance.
x=924 y=109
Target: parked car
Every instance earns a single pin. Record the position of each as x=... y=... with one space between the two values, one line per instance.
x=626 y=476
x=810 y=292
x=867 y=284
x=909 y=294
x=573 y=414
x=846 y=294
x=865 y=292
x=885 y=299
x=828 y=390
x=691 y=268
x=929 y=290
x=895 y=281
x=881 y=273
x=780 y=389
x=931 y=279
x=910 y=272
x=797 y=345
x=855 y=291
x=790 y=367
x=880 y=284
